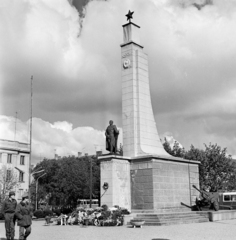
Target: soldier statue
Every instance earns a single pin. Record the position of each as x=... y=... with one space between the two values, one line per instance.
x=111 y=137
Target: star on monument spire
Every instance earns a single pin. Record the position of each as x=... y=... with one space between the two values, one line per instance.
x=129 y=16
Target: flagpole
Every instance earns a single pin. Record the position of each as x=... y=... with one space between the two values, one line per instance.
x=31 y=113
x=15 y=127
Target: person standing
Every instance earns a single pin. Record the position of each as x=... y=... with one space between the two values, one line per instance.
x=24 y=215
x=8 y=209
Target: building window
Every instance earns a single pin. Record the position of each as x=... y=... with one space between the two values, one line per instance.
x=9 y=158
x=8 y=175
x=21 y=177
x=22 y=160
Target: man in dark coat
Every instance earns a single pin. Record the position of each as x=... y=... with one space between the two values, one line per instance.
x=24 y=215
x=111 y=137
x=8 y=209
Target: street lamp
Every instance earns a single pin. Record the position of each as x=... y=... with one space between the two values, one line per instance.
x=31 y=174
x=91 y=183
x=91 y=180
x=42 y=170
x=36 y=193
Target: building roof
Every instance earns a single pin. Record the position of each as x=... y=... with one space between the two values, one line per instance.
x=14 y=146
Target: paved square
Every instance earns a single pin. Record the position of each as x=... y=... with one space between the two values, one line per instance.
x=223 y=230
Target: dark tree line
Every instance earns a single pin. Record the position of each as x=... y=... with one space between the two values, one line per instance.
x=66 y=180
x=217 y=170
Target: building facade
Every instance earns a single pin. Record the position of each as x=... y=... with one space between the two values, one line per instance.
x=14 y=159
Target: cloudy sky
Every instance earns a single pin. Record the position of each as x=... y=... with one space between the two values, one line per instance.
x=72 y=49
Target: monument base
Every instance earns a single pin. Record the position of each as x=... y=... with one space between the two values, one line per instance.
x=150 y=183
x=115 y=170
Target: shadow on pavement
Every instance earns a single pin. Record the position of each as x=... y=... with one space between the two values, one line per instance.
x=160 y=239
x=226 y=223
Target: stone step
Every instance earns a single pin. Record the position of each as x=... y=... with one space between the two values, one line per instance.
x=174 y=213
x=162 y=211
x=167 y=216
x=175 y=222
x=170 y=219
x=154 y=219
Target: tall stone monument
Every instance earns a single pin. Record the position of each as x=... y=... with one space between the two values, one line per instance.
x=145 y=178
x=139 y=126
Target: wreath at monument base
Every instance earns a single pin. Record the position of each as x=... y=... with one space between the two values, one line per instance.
x=110 y=222
x=113 y=216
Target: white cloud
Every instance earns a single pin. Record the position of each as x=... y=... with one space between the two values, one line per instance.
x=76 y=71
x=65 y=126
x=48 y=139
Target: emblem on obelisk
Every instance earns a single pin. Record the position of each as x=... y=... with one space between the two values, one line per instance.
x=126 y=63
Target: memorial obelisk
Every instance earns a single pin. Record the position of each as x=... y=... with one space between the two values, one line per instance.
x=140 y=136
x=145 y=178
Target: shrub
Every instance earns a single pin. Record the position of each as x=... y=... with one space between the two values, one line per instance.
x=76 y=222
x=66 y=210
x=125 y=211
x=39 y=214
x=57 y=212
x=105 y=207
x=108 y=223
x=48 y=212
x=106 y=214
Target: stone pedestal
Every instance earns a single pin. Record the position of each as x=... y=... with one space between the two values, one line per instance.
x=149 y=183
x=116 y=172
x=161 y=184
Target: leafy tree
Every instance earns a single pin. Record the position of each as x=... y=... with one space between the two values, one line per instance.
x=68 y=180
x=8 y=181
x=167 y=146
x=231 y=184
x=71 y=180
x=176 y=151
x=42 y=195
x=216 y=169
x=48 y=184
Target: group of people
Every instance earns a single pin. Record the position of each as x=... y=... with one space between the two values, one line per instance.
x=22 y=212
x=76 y=217
x=72 y=218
